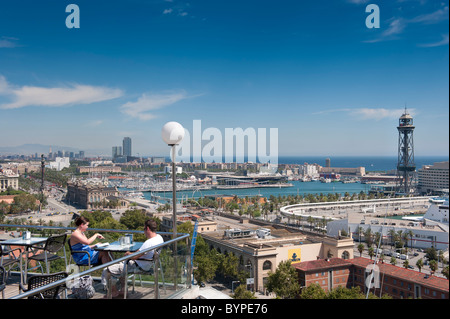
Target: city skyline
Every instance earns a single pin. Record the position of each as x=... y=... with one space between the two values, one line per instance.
x=316 y=72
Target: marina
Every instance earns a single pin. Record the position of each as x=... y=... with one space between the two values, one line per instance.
x=297 y=188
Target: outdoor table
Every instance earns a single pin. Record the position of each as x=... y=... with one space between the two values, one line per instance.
x=117 y=247
x=27 y=244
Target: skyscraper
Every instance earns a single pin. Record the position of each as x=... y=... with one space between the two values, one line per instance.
x=116 y=151
x=126 y=146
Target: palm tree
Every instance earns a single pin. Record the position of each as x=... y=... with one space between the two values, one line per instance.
x=393 y=261
x=393 y=236
x=371 y=252
x=406 y=264
x=419 y=264
x=433 y=266
x=360 y=249
x=405 y=240
x=368 y=237
x=310 y=221
x=360 y=230
x=411 y=235
x=441 y=257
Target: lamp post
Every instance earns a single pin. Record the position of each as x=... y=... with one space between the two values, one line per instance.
x=172 y=133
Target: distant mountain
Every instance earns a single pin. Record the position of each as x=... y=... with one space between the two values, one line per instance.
x=31 y=149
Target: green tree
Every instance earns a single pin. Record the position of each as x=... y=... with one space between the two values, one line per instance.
x=371 y=252
x=419 y=264
x=134 y=219
x=360 y=249
x=445 y=272
x=433 y=265
x=284 y=281
x=242 y=293
x=313 y=291
x=206 y=265
x=406 y=264
x=228 y=265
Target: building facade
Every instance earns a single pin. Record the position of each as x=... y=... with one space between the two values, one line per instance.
x=87 y=195
x=433 y=179
x=329 y=273
x=8 y=179
x=126 y=146
x=397 y=282
x=261 y=255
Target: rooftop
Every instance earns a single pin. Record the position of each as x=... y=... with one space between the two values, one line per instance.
x=405 y=274
x=319 y=264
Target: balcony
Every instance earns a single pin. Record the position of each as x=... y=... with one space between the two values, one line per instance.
x=175 y=263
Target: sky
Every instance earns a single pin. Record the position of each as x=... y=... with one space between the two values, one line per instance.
x=314 y=70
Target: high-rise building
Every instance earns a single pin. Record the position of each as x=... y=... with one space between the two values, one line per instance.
x=433 y=179
x=126 y=146
x=116 y=151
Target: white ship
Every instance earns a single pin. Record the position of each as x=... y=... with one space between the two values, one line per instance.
x=438 y=210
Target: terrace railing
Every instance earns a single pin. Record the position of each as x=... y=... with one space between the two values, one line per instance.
x=175 y=261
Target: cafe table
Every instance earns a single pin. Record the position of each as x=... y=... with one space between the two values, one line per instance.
x=27 y=244
x=118 y=247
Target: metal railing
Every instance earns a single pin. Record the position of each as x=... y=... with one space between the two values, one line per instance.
x=180 y=237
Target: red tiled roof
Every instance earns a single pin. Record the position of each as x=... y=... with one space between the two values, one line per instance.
x=404 y=274
x=321 y=264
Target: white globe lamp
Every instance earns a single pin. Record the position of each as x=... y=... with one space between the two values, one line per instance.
x=172 y=133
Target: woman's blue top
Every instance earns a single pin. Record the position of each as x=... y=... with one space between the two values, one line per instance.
x=82 y=258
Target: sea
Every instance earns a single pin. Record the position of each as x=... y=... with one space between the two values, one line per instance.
x=371 y=164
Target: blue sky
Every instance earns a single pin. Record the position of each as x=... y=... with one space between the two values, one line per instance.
x=312 y=69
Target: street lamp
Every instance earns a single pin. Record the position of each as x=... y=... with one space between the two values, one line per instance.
x=172 y=133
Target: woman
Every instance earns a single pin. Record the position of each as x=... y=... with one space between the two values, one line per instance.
x=79 y=241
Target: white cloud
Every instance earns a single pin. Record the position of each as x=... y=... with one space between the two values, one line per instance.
x=434 y=17
x=4 y=86
x=370 y=113
x=167 y=11
x=55 y=97
x=150 y=102
x=8 y=42
x=395 y=27
x=95 y=123
x=398 y=25
x=379 y=113
x=444 y=41
x=358 y=1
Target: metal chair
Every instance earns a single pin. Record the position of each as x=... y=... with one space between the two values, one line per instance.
x=89 y=265
x=7 y=257
x=51 y=247
x=154 y=270
x=2 y=281
x=38 y=281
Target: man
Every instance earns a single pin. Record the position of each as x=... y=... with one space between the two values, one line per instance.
x=134 y=263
